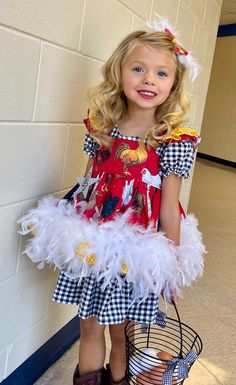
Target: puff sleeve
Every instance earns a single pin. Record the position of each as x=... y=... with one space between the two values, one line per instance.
x=89 y=146
x=176 y=158
x=176 y=153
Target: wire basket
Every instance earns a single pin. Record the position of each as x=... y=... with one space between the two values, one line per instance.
x=161 y=353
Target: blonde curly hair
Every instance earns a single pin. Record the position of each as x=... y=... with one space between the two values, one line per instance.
x=109 y=104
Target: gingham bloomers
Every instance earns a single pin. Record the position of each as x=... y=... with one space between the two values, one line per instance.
x=113 y=263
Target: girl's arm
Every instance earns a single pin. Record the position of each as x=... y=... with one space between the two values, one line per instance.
x=169 y=210
x=89 y=165
x=170 y=214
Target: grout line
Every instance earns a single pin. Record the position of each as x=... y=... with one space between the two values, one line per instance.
x=177 y=14
x=129 y=9
x=151 y=10
x=73 y=51
x=204 y=14
x=38 y=197
x=18 y=32
x=19 y=253
x=65 y=155
x=37 y=82
x=49 y=42
x=8 y=351
x=82 y=25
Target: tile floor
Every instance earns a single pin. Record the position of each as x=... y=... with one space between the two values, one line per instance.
x=210 y=306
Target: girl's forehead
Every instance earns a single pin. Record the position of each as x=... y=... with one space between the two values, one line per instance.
x=147 y=54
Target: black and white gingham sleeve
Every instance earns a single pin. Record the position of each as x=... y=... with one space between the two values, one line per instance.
x=177 y=158
x=89 y=145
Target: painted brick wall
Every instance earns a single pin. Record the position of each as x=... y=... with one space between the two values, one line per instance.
x=50 y=52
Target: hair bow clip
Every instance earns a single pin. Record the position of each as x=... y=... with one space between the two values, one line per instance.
x=179 y=50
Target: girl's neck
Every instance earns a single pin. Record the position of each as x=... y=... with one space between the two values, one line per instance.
x=136 y=124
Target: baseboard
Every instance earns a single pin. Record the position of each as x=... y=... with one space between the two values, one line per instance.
x=45 y=356
x=225 y=162
x=227 y=30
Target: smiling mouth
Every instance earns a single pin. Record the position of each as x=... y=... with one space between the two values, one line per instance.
x=147 y=94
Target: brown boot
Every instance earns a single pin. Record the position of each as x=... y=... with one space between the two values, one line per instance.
x=123 y=381
x=93 y=378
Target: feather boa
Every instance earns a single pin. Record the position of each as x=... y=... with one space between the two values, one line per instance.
x=113 y=249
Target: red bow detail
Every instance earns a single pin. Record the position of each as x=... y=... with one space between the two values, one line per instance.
x=178 y=48
x=88 y=124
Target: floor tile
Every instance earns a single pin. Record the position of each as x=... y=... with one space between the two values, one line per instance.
x=199 y=375
x=223 y=367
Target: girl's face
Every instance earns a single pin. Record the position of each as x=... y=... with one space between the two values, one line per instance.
x=147 y=77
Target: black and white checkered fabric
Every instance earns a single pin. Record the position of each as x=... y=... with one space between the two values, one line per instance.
x=174 y=157
x=111 y=306
x=90 y=144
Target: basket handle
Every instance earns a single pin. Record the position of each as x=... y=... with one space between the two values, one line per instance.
x=180 y=329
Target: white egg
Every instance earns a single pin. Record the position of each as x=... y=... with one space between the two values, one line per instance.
x=144 y=360
x=150 y=351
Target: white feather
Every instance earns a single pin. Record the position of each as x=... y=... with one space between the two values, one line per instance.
x=150 y=257
x=191 y=64
x=161 y=24
x=191 y=251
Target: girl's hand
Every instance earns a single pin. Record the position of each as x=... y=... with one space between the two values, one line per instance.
x=174 y=296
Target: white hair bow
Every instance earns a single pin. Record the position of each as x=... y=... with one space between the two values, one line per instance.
x=184 y=56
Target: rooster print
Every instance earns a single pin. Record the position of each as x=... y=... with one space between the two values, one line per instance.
x=131 y=157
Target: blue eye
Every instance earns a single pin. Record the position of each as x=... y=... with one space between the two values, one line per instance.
x=162 y=74
x=138 y=69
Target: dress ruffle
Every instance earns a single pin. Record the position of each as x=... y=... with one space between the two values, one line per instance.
x=111 y=250
x=110 y=305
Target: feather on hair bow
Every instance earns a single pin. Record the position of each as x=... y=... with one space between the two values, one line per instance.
x=184 y=56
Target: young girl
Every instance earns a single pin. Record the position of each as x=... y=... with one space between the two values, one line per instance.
x=120 y=236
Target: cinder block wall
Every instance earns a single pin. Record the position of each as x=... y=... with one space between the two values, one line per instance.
x=50 y=52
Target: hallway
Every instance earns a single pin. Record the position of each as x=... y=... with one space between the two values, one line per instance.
x=210 y=306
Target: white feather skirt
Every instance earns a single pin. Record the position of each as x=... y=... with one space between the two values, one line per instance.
x=113 y=250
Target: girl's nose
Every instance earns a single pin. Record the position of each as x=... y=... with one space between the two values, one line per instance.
x=149 y=80
x=149 y=83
